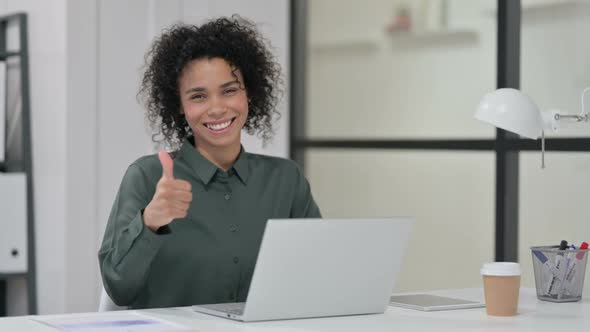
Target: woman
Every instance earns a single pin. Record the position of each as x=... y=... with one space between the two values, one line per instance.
x=185 y=228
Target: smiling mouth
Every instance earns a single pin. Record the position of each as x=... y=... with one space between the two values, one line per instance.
x=219 y=126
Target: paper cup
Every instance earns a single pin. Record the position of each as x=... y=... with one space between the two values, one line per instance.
x=501 y=284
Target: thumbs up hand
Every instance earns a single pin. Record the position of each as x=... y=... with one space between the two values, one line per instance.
x=171 y=200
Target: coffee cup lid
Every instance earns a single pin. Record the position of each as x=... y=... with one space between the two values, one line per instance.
x=501 y=269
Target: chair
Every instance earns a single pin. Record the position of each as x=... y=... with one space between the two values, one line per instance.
x=106 y=304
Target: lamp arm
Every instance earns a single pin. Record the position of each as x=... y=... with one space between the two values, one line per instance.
x=584 y=113
x=552 y=118
x=551 y=122
x=578 y=118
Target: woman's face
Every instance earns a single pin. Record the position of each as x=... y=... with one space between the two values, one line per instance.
x=214 y=102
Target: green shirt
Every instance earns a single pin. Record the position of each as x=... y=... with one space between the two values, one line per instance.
x=209 y=256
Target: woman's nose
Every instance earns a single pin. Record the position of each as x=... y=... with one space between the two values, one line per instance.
x=217 y=109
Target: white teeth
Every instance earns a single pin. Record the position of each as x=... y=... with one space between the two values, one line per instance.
x=219 y=126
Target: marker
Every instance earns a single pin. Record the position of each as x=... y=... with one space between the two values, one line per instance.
x=583 y=246
x=569 y=276
x=568 y=265
x=559 y=262
x=543 y=259
x=563 y=245
x=558 y=272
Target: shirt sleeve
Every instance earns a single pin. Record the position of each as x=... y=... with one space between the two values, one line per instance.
x=128 y=246
x=304 y=205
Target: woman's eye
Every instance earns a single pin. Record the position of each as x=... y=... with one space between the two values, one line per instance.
x=230 y=91
x=198 y=97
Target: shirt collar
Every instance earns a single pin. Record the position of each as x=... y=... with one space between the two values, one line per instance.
x=241 y=166
x=205 y=169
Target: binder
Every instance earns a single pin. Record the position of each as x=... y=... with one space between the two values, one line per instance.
x=2 y=110
x=13 y=223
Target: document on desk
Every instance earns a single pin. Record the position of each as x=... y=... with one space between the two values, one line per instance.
x=120 y=322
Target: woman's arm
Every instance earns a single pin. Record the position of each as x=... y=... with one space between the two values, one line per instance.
x=304 y=205
x=128 y=246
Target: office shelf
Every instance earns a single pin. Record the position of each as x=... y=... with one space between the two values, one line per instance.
x=6 y=55
x=20 y=159
x=4 y=276
x=11 y=166
x=434 y=37
x=344 y=45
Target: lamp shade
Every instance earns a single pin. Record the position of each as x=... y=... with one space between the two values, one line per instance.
x=511 y=110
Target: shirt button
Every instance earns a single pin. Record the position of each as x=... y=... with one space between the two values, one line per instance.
x=236 y=260
x=227 y=197
x=233 y=228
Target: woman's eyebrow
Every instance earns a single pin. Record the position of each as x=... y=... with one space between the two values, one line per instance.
x=195 y=89
x=226 y=84
x=201 y=89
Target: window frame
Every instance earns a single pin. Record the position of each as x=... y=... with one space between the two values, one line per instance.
x=505 y=145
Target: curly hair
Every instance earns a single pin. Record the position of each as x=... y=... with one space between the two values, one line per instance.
x=233 y=39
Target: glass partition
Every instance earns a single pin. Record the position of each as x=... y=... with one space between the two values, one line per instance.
x=450 y=194
x=372 y=76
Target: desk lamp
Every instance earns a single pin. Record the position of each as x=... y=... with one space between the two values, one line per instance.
x=512 y=110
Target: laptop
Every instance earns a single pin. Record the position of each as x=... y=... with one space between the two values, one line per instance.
x=321 y=267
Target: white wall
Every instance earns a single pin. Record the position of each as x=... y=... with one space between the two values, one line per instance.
x=81 y=273
x=85 y=59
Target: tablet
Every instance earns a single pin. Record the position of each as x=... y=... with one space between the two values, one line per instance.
x=426 y=302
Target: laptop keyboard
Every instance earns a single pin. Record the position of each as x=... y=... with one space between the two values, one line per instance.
x=230 y=308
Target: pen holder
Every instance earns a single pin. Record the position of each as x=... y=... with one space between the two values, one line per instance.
x=559 y=274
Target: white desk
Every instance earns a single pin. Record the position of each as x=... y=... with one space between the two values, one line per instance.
x=533 y=315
